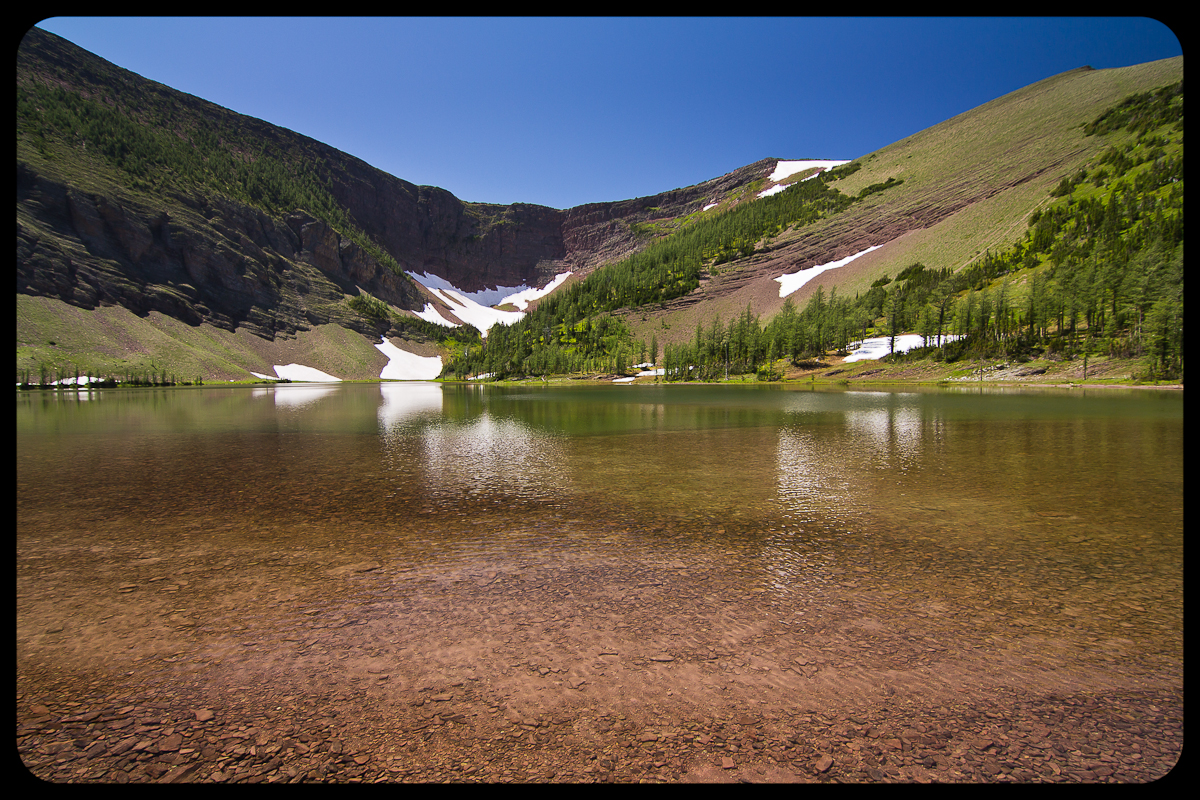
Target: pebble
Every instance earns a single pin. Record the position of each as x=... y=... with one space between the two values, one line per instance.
x=162 y=718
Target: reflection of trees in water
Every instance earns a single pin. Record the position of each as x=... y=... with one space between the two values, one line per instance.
x=895 y=434
x=846 y=455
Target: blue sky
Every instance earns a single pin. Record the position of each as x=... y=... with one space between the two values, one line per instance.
x=566 y=111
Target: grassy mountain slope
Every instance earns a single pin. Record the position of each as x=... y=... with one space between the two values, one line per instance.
x=217 y=243
x=959 y=198
x=970 y=185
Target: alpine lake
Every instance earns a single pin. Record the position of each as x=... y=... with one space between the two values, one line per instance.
x=424 y=581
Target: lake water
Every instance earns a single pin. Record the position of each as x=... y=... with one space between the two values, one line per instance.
x=1073 y=497
x=781 y=547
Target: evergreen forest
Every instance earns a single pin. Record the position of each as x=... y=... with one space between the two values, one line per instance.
x=1099 y=270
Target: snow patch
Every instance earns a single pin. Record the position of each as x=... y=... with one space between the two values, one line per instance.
x=790 y=282
x=470 y=312
x=402 y=366
x=877 y=346
x=430 y=314
x=484 y=297
x=523 y=298
x=405 y=366
x=298 y=372
x=786 y=169
x=474 y=308
x=82 y=380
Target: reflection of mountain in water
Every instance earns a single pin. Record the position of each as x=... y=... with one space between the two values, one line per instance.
x=492 y=454
x=447 y=440
x=296 y=396
x=404 y=401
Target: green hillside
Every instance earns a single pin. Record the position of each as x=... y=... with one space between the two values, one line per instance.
x=1018 y=146
x=1018 y=260
x=1046 y=224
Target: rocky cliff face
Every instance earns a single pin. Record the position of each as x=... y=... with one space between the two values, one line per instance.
x=600 y=233
x=200 y=256
x=200 y=260
x=479 y=246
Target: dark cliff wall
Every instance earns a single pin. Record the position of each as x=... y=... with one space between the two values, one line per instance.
x=89 y=236
x=198 y=259
x=429 y=230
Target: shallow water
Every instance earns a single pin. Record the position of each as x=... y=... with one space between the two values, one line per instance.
x=325 y=563
x=1051 y=505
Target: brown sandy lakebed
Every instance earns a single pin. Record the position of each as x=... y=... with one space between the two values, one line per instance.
x=258 y=664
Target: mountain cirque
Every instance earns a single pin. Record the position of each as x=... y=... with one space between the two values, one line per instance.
x=86 y=239
x=602 y=669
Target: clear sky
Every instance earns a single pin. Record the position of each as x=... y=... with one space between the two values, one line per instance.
x=566 y=111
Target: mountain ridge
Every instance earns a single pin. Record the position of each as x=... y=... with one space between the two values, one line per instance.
x=90 y=236
x=425 y=229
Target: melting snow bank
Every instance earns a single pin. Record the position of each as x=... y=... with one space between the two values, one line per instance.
x=470 y=312
x=405 y=366
x=430 y=314
x=523 y=298
x=877 y=346
x=784 y=169
x=793 y=281
x=298 y=372
x=464 y=306
x=402 y=366
x=471 y=308
x=82 y=380
x=645 y=373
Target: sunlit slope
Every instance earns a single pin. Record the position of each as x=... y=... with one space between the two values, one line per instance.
x=977 y=177
x=114 y=341
x=969 y=184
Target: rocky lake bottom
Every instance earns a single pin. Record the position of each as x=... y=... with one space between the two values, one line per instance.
x=420 y=584
x=264 y=663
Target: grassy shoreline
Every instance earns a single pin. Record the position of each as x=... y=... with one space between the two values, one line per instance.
x=1101 y=372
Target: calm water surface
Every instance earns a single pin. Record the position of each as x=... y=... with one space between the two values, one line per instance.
x=1063 y=499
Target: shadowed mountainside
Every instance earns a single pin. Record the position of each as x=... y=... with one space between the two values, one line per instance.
x=137 y=224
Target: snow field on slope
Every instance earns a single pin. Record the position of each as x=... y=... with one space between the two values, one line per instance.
x=784 y=169
x=790 y=282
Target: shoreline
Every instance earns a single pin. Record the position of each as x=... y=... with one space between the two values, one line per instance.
x=836 y=370
x=560 y=380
